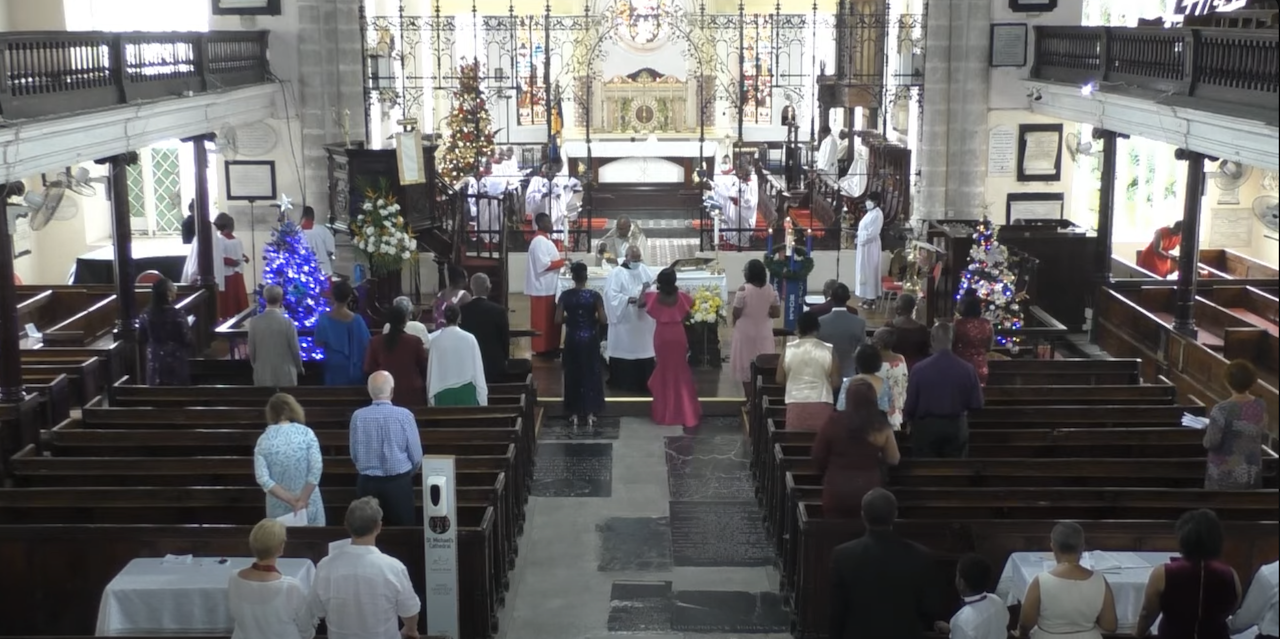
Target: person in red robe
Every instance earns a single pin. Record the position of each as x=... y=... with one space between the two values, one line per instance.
x=1158 y=257
x=541 y=285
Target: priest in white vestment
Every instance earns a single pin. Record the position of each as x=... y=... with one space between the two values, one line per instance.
x=541 y=284
x=615 y=243
x=191 y=268
x=489 y=215
x=842 y=147
x=738 y=196
x=550 y=193
x=630 y=345
x=867 y=283
x=854 y=181
x=827 y=162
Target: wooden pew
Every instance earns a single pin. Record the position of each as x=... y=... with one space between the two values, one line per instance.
x=1248 y=303
x=55 y=389
x=48 y=306
x=1228 y=263
x=110 y=362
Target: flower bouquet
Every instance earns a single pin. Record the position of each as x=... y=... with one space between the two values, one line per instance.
x=708 y=308
x=381 y=234
x=702 y=327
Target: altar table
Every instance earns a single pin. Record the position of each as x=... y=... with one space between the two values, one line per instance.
x=1127 y=573
x=688 y=281
x=150 y=597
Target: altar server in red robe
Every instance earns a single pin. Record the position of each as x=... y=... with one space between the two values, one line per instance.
x=541 y=283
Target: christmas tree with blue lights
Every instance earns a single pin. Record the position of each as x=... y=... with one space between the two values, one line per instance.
x=290 y=264
x=989 y=275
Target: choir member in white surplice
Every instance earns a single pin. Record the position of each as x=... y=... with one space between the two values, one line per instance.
x=867 y=284
x=550 y=193
x=854 y=181
x=489 y=214
x=827 y=161
x=738 y=196
x=630 y=345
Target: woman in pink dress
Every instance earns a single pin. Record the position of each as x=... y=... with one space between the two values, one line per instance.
x=974 y=336
x=755 y=306
x=675 y=398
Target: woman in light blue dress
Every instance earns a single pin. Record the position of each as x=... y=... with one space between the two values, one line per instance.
x=287 y=462
x=868 y=361
x=344 y=337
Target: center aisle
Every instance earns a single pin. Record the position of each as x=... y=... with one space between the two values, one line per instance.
x=638 y=529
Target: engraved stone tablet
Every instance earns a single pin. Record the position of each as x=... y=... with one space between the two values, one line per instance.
x=728 y=611
x=634 y=544
x=558 y=429
x=709 y=467
x=640 y=606
x=573 y=470
x=718 y=533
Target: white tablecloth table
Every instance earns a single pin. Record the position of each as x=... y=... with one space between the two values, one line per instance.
x=688 y=281
x=150 y=597
x=1128 y=580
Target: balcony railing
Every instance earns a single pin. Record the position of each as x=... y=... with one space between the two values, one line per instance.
x=1224 y=65
x=46 y=73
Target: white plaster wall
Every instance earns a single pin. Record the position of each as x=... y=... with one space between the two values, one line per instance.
x=35 y=15
x=1007 y=91
x=999 y=188
x=55 y=248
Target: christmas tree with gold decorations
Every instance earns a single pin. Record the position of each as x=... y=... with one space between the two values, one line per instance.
x=469 y=143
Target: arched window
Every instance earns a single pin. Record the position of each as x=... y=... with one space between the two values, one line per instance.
x=531 y=91
x=757 y=71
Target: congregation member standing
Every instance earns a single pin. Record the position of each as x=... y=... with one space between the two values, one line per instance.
x=455 y=294
x=487 y=321
x=1235 y=434
x=911 y=339
x=413 y=326
x=360 y=592
x=320 y=239
x=940 y=393
x=1068 y=601
x=581 y=311
x=867 y=364
x=233 y=296
x=1261 y=607
x=983 y=615
x=344 y=337
x=755 y=306
x=867 y=284
x=825 y=307
x=287 y=462
x=455 y=372
x=893 y=370
x=386 y=450
x=675 y=398
x=273 y=343
x=807 y=371
x=630 y=344
x=263 y=603
x=882 y=585
x=974 y=336
x=404 y=356
x=843 y=330
x=851 y=451
x=541 y=283
x=165 y=333
x=1193 y=595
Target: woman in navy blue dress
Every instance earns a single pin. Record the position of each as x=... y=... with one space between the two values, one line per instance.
x=581 y=311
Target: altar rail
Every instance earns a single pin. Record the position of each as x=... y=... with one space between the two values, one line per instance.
x=1222 y=65
x=44 y=73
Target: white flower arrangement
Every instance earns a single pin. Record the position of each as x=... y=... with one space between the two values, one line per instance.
x=381 y=234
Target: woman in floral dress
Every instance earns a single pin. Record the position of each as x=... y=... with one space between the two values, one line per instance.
x=165 y=333
x=1237 y=429
x=287 y=462
x=893 y=370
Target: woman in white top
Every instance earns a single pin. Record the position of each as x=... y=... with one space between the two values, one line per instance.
x=455 y=372
x=1069 y=601
x=264 y=603
x=808 y=370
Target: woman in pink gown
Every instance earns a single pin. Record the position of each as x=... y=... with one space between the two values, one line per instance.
x=675 y=398
x=755 y=306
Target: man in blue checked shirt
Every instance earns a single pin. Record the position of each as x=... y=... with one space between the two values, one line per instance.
x=387 y=451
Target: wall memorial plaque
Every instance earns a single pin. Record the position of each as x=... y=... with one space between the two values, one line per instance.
x=718 y=533
x=1002 y=151
x=573 y=470
x=1008 y=45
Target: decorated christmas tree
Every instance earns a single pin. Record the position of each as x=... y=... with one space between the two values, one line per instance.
x=290 y=264
x=989 y=275
x=470 y=140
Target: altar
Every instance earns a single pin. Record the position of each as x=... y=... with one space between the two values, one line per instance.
x=652 y=160
x=688 y=281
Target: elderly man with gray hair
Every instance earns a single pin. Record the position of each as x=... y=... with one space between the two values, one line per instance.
x=359 y=591
x=941 y=391
x=386 y=449
x=487 y=321
x=413 y=326
x=273 y=343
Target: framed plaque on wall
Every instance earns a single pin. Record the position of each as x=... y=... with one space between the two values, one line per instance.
x=246 y=7
x=1039 y=152
x=1033 y=206
x=1009 y=44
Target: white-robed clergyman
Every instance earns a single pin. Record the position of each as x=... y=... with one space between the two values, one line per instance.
x=613 y=246
x=738 y=196
x=550 y=193
x=867 y=284
x=630 y=345
x=492 y=188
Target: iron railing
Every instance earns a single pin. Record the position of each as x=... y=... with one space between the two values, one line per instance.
x=1239 y=66
x=47 y=73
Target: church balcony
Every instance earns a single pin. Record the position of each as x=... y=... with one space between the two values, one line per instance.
x=1209 y=90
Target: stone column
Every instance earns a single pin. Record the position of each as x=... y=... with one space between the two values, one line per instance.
x=10 y=354
x=1189 y=251
x=1106 y=204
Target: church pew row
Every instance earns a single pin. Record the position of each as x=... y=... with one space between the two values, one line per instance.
x=1249 y=546
x=99 y=319
x=1247 y=302
x=46 y=307
x=239 y=372
x=72 y=565
x=56 y=391
x=109 y=362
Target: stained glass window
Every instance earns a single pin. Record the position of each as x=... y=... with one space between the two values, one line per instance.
x=757 y=71
x=640 y=22
x=531 y=91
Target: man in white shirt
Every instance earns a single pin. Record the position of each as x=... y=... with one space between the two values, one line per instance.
x=984 y=615
x=359 y=591
x=826 y=162
x=1260 y=606
x=630 y=345
x=320 y=239
x=541 y=284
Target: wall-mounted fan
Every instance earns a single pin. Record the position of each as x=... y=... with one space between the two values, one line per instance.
x=1077 y=148
x=44 y=207
x=1231 y=175
x=1267 y=208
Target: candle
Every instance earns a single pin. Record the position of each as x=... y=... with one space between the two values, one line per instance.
x=808 y=241
x=716 y=238
x=769 y=245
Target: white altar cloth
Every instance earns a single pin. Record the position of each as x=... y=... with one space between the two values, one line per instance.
x=688 y=281
x=1127 y=572
x=640 y=149
x=149 y=597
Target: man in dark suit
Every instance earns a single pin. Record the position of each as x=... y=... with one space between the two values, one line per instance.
x=843 y=330
x=882 y=586
x=825 y=307
x=488 y=323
